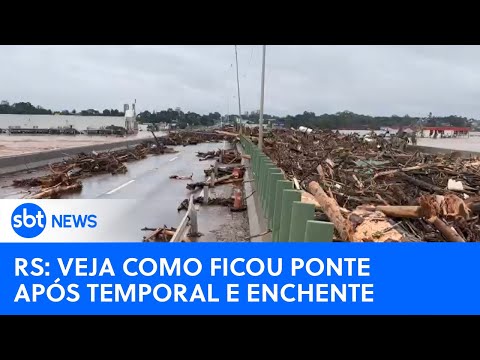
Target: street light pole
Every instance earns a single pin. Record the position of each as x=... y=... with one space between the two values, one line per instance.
x=238 y=91
x=260 y=121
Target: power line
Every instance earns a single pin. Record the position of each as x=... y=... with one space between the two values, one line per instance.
x=249 y=62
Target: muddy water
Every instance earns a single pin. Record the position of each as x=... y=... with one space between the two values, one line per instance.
x=471 y=143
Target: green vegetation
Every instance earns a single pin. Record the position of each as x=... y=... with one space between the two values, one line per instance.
x=179 y=117
x=27 y=108
x=349 y=120
x=340 y=120
x=22 y=108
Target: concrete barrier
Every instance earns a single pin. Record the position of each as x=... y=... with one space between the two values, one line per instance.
x=16 y=163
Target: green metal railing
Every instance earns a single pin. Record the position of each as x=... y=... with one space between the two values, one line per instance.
x=289 y=219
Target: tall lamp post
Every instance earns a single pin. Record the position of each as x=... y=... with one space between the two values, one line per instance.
x=260 y=121
x=238 y=92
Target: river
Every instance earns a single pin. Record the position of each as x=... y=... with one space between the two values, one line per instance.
x=81 y=123
x=471 y=143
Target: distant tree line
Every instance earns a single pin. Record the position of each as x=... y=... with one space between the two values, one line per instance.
x=178 y=116
x=22 y=108
x=27 y=108
x=339 y=120
x=349 y=120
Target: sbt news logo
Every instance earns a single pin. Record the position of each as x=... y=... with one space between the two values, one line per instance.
x=29 y=220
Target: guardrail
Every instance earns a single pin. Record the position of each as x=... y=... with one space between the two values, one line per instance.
x=288 y=218
x=189 y=225
x=189 y=222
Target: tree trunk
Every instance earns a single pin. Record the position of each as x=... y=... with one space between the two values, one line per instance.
x=447 y=232
x=409 y=212
x=421 y=184
x=57 y=190
x=331 y=208
x=153 y=236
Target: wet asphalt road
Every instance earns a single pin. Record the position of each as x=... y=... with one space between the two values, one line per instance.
x=147 y=181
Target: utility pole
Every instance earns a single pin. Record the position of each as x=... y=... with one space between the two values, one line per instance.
x=238 y=91
x=260 y=121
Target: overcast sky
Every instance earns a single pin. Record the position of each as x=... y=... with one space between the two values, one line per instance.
x=373 y=80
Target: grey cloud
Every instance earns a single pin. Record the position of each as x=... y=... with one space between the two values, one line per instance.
x=377 y=80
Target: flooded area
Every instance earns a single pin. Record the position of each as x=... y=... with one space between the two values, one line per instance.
x=11 y=145
x=471 y=143
x=148 y=181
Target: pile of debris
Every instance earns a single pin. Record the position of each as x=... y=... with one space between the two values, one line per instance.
x=162 y=234
x=195 y=137
x=208 y=155
x=235 y=176
x=65 y=176
x=224 y=170
x=230 y=156
x=211 y=201
x=374 y=191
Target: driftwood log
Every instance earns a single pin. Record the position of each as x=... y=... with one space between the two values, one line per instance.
x=160 y=231
x=57 y=190
x=421 y=184
x=331 y=208
x=402 y=170
x=405 y=212
x=448 y=233
x=226 y=133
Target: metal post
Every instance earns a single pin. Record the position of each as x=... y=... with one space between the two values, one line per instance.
x=260 y=121
x=193 y=217
x=205 y=195
x=215 y=167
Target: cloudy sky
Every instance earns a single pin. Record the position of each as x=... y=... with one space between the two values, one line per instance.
x=374 y=80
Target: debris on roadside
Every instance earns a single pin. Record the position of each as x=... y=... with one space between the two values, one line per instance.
x=162 y=234
x=224 y=156
x=65 y=176
x=211 y=201
x=180 y=177
x=227 y=179
x=185 y=138
x=230 y=157
x=224 y=170
x=184 y=205
x=208 y=155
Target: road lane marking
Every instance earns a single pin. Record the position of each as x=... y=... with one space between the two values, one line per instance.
x=120 y=187
x=175 y=158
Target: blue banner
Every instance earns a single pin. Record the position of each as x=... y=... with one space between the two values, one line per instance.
x=239 y=278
